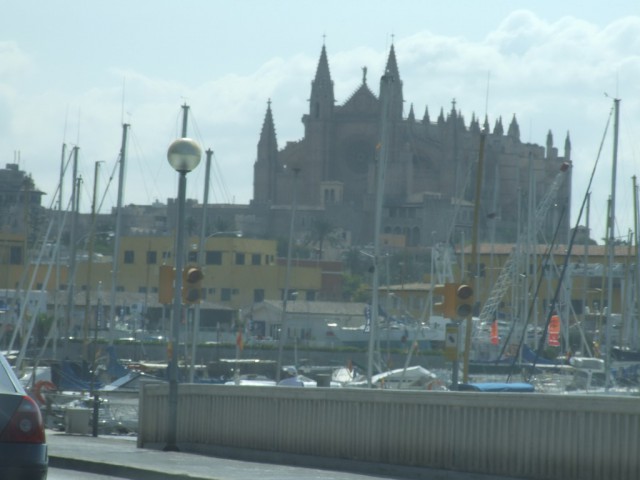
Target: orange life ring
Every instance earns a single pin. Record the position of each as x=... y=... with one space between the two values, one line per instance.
x=37 y=390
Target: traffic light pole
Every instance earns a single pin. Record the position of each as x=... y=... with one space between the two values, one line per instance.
x=473 y=274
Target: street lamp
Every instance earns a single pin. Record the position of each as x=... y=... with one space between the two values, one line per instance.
x=183 y=155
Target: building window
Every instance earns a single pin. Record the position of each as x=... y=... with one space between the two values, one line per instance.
x=481 y=269
x=213 y=257
x=310 y=295
x=255 y=259
x=225 y=294
x=129 y=256
x=152 y=257
x=142 y=289
x=192 y=256
x=239 y=258
x=15 y=256
x=258 y=295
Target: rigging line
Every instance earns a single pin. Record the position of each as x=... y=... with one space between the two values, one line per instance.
x=106 y=188
x=219 y=178
x=64 y=170
x=569 y=248
x=144 y=168
x=220 y=181
x=543 y=261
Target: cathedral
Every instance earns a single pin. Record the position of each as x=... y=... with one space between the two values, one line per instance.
x=429 y=170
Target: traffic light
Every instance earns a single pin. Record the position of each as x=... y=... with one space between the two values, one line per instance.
x=447 y=306
x=165 y=284
x=192 y=284
x=463 y=301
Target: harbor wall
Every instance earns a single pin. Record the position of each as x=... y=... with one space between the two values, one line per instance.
x=533 y=436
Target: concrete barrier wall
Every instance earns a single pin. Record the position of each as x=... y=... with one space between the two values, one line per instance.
x=522 y=435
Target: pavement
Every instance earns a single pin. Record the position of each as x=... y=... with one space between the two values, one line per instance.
x=119 y=457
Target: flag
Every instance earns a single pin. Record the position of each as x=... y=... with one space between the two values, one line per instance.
x=495 y=339
x=554 y=331
x=239 y=340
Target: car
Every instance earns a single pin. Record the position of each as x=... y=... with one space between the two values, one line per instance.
x=23 y=446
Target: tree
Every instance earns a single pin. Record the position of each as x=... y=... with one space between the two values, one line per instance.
x=321 y=231
x=354 y=289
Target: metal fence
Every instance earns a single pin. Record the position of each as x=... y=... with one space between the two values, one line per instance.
x=533 y=436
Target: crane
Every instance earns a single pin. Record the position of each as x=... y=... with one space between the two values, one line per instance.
x=504 y=279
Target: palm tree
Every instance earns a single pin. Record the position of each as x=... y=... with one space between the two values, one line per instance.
x=321 y=231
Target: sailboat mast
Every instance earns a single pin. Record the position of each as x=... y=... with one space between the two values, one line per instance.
x=201 y=247
x=92 y=226
x=635 y=297
x=56 y=303
x=611 y=237
x=117 y=233
x=72 y=248
x=383 y=152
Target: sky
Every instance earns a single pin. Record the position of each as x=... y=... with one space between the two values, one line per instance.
x=72 y=72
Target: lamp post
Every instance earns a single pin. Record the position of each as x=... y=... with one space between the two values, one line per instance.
x=184 y=155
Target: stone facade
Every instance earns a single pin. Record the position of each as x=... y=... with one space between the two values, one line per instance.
x=430 y=174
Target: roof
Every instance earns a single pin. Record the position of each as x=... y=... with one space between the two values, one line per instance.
x=576 y=250
x=319 y=308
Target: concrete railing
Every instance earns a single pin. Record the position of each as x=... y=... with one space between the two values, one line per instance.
x=533 y=436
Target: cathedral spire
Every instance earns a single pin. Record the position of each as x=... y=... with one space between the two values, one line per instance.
x=567 y=147
x=393 y=85
x=392 y=64
x=514 y=128
x=265 y=168
x=412 y=116
x=498 y=130
x=268 y=133
x=425 y=118
x=322 y=99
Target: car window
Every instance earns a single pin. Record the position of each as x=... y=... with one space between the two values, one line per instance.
x=7 y=377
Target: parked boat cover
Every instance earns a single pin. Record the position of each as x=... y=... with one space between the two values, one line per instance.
x=496 y=387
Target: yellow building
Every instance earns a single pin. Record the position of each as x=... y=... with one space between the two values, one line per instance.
x=238 y=271
x=585 y=282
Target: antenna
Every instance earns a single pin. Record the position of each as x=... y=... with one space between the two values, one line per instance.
x=124 y=82
x=78 y=135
